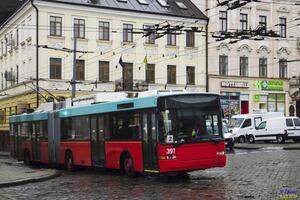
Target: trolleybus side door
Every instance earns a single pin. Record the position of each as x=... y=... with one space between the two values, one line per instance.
x=36 y=142
x=97 y=140
x=150 y=155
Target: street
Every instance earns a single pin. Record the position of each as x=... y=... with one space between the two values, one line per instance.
x=249 y=174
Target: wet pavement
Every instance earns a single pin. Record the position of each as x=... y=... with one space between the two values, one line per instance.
x=14 y=173
x=253 y=174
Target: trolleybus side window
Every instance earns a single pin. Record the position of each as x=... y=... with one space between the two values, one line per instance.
x=75 y=128
x=25 y=131
x=125 y=126
x=44 y=130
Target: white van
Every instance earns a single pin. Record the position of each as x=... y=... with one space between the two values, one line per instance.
x=279 y=129
x=239 y=125
x=293 y=128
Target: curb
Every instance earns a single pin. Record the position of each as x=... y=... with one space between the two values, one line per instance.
x=30 y=180
x=267 y=148
x=291 y=148
x=253 y=148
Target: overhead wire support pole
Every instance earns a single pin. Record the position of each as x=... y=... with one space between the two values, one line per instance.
x=37 y=53
x=73 y=81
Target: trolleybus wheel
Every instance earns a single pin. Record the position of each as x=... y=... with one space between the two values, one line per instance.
x=69 y=162
x=128 y=166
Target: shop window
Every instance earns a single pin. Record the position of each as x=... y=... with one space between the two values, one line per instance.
x=230 y=103
x=276 y=103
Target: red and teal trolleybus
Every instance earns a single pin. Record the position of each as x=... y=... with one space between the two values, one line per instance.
x=160 y=133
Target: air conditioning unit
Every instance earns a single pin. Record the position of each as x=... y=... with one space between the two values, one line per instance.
x=298 y=44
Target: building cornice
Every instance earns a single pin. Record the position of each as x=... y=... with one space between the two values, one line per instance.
x=119 y=12
x=245 y=77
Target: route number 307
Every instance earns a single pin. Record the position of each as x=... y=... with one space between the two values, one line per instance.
x=171 y=151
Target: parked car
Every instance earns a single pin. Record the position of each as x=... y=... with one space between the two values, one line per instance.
x=241 y=124
x=293 y=128
x=229 y=138
x=279 y=129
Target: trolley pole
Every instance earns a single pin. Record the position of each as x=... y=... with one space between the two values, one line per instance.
x=73 y=81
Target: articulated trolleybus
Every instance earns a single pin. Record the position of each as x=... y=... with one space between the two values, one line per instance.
x=153 y=132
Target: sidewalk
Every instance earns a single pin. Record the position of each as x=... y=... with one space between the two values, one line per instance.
x=288 y=145
x=14 y=173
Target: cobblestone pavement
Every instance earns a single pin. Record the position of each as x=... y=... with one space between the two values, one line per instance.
x=256 y=174
x=288 y=145
x=15 y=173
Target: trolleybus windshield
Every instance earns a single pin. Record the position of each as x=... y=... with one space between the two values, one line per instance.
x=188 y=119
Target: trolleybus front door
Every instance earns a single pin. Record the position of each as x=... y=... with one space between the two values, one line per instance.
x=97 y=141
x=150 y=155
x=36 y=143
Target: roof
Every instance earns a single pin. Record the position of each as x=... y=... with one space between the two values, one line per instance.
x=153 y=7
x=7 y=8
x=28 y=117
x=113 y=106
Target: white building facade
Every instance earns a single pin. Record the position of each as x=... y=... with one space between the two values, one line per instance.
x=104 y=36
x=254 y=75
x=113 y=51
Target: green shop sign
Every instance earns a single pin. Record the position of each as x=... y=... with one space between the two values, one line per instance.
x=269 y=85
x=257 y=98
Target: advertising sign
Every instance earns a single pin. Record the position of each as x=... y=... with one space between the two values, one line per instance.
x=269 y=85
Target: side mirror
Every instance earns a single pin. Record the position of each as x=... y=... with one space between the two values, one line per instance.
x=230 y=131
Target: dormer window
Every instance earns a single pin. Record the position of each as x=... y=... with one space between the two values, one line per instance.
x=163 y=3
x=145 y=2
x=181 y=5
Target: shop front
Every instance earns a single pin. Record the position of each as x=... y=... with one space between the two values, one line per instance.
x=250 y=95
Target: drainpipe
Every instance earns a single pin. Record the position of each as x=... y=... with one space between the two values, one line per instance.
x=206 y=55
x=37 y=53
